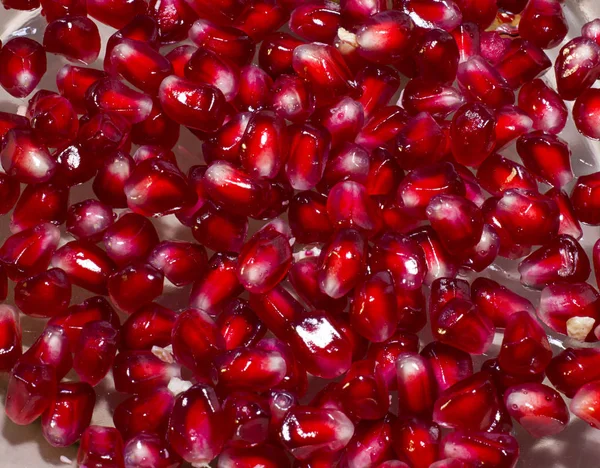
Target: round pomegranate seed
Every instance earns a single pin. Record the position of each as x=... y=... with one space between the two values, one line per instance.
x=44 y=295
x=577 y=67
x=25 y=158
x=23 y=64
x=76 y=37
x=100 y=445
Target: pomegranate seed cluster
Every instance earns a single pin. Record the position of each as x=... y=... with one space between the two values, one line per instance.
x=340 y=307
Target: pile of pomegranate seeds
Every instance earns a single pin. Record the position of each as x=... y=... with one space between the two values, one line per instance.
x=344 y=227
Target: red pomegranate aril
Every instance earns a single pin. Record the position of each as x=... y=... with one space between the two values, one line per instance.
x=349 y=162
x=525 y=349
x=308 y=218
x=145 y=450
x=10 y=189
x=421 y=142
x=573 y=368
x=562 y=259
x=472 y=134
x=26 y=158
x=112 y=96
x=568 y=222
x=498 y=174
x=53 y=120
x=308 y=154
x=295 y=379
x=23 y=64
x=416 y=384
x=40 y=203
x=182 y=263
x=504 y=380
x=435 y=99
x=239 y=325
x=141 y=372
x=355 y=11
x=116 y=13
x=140 y=64
x=247 y=418
x=307 y=432
x=73 y=83
x=55 y=9
x=488 y=449
x=148 y=326
x=29 y=252
x=225 y=41
x=511 y=123
x=342 y=262
x=95 y=351
x=3 y=283
x=134 y=286
x=571 y=309
x=364 y=393
x=349 y=205
x=384 y=174
x=253 y=92
x=483 y=83
x=385 y=37
x=9 y=121
x=416 y=441
x=448 y=364
x=144 y=413
x=266 y=455
x=374 y=311
x=75 y=37
x=219 y=230
x=258 y=18
x=31 y=389
x=577 y=67
x=343 y=119
x=103 y=134
x=539 y=409
x=131 y=237
x=145 y=152
x=10 y=337
x=100 y=446
x=378 y=84
x=264 y=261
x=438 y=261
x=225 y=143
x=197 y=428
x=234 y=189
x=522 y=61
x=436 y=56
x=276 y=52
x=585 y=113
x=179 y=58
x=457 y=221
x=44 y=295
x=291 y=99
x=585 y=404
x=544 y=106
x=109 y=183
x=386 y=353
x=583 y=198
x=205 y=66
x=222 y=11
x=444 y=14
x=323 y=68
x=69 y=415
x=157 y=129
x=384 y=125
x=255 y=370
x=371 y=444
x=219 y=284
x=547 y=156
x=543 y=23
x=468 y=40
x=470 y=404
x=498 y=302
x=87 y=265
x=317 y=22
x=461 y=324
x=174 y=19
x=52 y=349
x=443 y=290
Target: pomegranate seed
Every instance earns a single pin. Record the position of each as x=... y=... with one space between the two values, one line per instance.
x=291 y=99
x=40 y=203
x=247 y=416
x=385 y=37
x=448 y=364
x=342 y=263
x=276 y=52
x=109 y=183
x=374 y=310
x=364 y=392
x=315 y=22
x=438 y=262
x=29 y=252
x=573 y=368
x=436 y=56
x=420 y=142
x=258 y=18
x=104 y=134
x=295 y=378
x=308 y=154
x=350 y=162
x=498 y=174
x=468 y=38
x=308 y=218
x=145 y=152
x=416 y=441
x=470 y=404
x=86 y=265
x=349 y=205
x=75 y=166
x=73 y=83
x=3 y=283
x=308 y=432
x=435 y=99
x=95 y=351
x=174 y=19
x=504 y=380
x=110 y=95
x=205 y=66
x=147 y=413
x=378 y=84
x=343 y=120
x=149 y=450
x=25 y=158
x=521 y=62
x=9 y=121
x=416 y=384
x=386 y=353
x=457 y=221
x=498 y=302
x=225 y=143
x=239 y=325
x=250 y=369
x=23 y=64
x=501 y=450
x=53 y=119
x=460 y=323
x=571 y=309
x=583 y=198
x=157 y=129
x=269 y=456
x=69 y=415
x=139 y=64
x=544 y=106
x=585 y=404
x=10 y=190
x=384 y=173
x=100 y=446
x=472 y=134
x=44 y=295
x=31 y=389
x=546 y=156
x=370 y=445
x=75 y=37
x=481 y=12
x=10 y=337
x=179 y=58
x=116 y=13
x=355 y=11
x=585 y=113
x=562 y=259
x=255 y=85
x=182 y=263
x=196 y=427
x=443 y=14
x=577 y=67
x=130 y=238
x=591 y=30
x=568 y=222
x=52 y=349
x=135 y=285
x=384 y=125
x=148 y=326
x=141 y=372
x=55 y=9
x=218 y=285
x=511 y=123
x=225 y=41
x=219 y=230
x=443 y=290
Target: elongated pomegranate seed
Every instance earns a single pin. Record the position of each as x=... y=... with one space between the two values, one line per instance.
x=501 y=450
x=364 y=393
x=95 y=351
x=10 y=337
x=497 y=301
x=416 y=440
x=546 y=156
